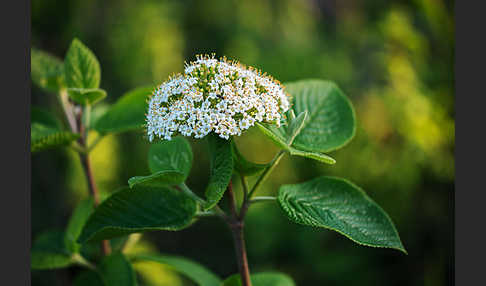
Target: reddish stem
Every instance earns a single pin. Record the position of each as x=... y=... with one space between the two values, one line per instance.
x=236 y=225
x=85 y=162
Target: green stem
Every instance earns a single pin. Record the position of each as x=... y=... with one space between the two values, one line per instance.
x=80 y=260
x=206 y=214
x=131 y=241
x=262 y=199
x=244 y=183
x=87 y=117
x=185 y=189
x=80 y=149
x=267 y=172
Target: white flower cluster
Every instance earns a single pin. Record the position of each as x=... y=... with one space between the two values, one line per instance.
x=214 y=95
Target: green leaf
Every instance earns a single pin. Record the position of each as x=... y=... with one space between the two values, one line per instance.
x=137 y=210
x=169 y=161
x=81 y=68
x=85 y=96
x=221 y=169
x=339 y=205
x=76 y=223
x=116 y=270
x=88 y=277
x=47 y=71
x=162 y=178
x=175 y=154
x=45 y=131
x=242 y=165
x=330 y=122
x=277 y=135
x=295 y=126
x=193 y=270
x=316 y=156
x=281 y=138
x=128 y=113
x=261 y=279
x=49 y=251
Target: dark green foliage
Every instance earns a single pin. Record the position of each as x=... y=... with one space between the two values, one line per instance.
x=170 y=163
x=128 y=113
x=221 y=168
x=116 y=270
x=139 y=209
x=341 y=206
x=76 y=223
x=49 y=251
x=46 y=132
x=47 y=71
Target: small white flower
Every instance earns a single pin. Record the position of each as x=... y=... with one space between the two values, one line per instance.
x=214 y=96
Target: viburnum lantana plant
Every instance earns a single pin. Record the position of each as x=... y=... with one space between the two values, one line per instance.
x=215 y=100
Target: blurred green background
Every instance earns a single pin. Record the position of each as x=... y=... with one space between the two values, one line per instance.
x=394 y=59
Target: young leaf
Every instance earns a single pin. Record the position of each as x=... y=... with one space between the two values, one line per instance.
x=261 y=279
x=286 y=134
x=88 y=277
x=85 y=96
x=175 y=154
x=81 y=68
x=137 y=210
x=193 y=270
x=128 y=113
x=45 y=131
x=295 y=126
x=169 y=161
x=49 y=251
x=76 y=223
x=47 y=71
x=116 y=270
x=277 y=135
x=242 y=165
x=339 y=205
x=158 y=179
x=316 y=156
x=330 y=122
x=221 y=169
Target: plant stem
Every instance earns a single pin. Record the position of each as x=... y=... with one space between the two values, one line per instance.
x=267 y=172
x=80 y=260
x=206 y=214
x=262 y=199
x=89 y=175
x=105 y=244
x=76 y=124
x=68 y=110
x=185 y=189
x=236 y=225
x=239 y=242
x=85 y=162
